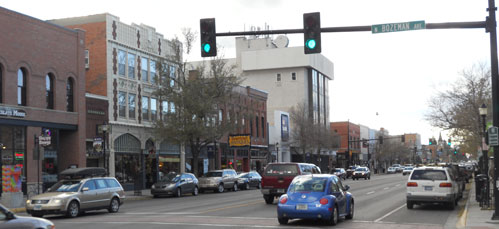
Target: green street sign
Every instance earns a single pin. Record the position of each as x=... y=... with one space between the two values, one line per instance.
x=397 y=27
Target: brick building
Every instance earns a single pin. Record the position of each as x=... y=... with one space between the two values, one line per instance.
x=42 y=86
x=349 y=151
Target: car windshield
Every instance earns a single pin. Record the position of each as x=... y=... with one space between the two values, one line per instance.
x=274 y=170
x=171 y=177
x=65 y=186
x=243 y=175
x=308 y=184
x=213 y=174
x=360 y=169
x=428 y=175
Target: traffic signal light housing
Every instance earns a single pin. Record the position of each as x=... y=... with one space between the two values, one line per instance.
x=312 y=32
x=208 y=37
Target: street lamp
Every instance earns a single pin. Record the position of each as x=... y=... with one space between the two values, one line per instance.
x=104 y=129
x=485 y=157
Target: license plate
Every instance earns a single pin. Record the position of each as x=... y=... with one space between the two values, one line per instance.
x=37 y=207
x=301 y=207
x=280 y=190
x=428 y=188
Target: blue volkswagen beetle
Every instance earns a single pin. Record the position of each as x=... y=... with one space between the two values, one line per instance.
x=317 y=196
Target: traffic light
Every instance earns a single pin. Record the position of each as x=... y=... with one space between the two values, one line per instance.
x=449 y=142
x=208 y=37
x=430 y=141
x=403 y=138
x=455 y=151
x=312 y=32
x=380 y=140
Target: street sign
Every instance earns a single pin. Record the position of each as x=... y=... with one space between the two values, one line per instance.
x=397 y=27
x=44 y=140
x=493 y=136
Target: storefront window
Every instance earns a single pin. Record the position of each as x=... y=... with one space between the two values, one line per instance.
x=127 y=167
x=13 y=154
x=49 y=163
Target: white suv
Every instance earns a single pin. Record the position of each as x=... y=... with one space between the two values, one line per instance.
x=432 y=185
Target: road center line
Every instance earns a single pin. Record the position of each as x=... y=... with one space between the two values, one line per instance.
x=389 y=213
x=371 y=192
x=386 y=188
x=232 y=206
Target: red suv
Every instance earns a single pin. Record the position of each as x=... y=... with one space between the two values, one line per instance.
x=277 y=177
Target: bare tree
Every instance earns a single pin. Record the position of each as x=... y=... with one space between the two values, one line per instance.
x=456 y=109
x=302 y=129
x=194 y=98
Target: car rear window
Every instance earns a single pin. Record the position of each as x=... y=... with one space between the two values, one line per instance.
x=308 y=184
x=428 y=175
x=275 y=170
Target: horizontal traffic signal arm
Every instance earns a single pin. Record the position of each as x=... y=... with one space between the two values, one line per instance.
x=376 y=139
x=366 y=28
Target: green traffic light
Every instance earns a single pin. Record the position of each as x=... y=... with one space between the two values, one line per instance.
x=311 y=44
x=206 y=48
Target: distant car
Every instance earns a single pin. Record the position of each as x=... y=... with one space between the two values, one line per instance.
x=10 y=220
x=85 y=189
x=407 y=170
x=361 y=172
x=249 y=179
x=350 y=170
x=340 y=173
x=219 y=180
x=176 y=185
x=432 y=185
x=277 y=177
x=318 y=197
x=391 y=170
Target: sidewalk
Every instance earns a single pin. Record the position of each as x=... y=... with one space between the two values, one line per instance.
x=474 y=217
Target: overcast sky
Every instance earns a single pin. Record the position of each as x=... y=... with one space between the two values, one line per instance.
x=392 y=74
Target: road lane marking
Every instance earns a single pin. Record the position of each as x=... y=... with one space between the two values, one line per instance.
x=397 y=185
x=371 y=192
x=389 y=213
x=231 y=206
x=189 y=224
x=231 y=217
x=160 y=213
x=386 y=188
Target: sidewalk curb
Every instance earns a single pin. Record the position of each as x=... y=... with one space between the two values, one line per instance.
x=461 y=222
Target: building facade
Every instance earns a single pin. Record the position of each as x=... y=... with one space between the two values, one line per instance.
x=350 y=145
x=121 y=66
x=42 y=91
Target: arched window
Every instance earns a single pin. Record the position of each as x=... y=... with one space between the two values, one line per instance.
x=21 y=87
x=49 y=90
x=69 y=95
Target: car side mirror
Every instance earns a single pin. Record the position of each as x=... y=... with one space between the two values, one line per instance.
x=347 y=187
x=84 y=189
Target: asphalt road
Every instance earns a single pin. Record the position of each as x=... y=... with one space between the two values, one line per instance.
x=380 y=203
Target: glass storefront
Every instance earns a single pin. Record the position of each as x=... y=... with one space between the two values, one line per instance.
x=13 y=153
x=127 y=160
x=169 y=158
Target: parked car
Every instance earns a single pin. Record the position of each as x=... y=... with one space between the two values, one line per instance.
x=249 y=179
x=398 y=168
x=176 y=185
x=84 y=189
x=432 y=185
x=391 y=170
x=10 y=220
x=218 y=180
x=277 y=177
x=315 y=197
x=361 y=172
x=340 y=173
x=407 y=170
x=350 y=170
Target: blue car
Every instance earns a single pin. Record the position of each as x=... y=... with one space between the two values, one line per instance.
x=317 y=196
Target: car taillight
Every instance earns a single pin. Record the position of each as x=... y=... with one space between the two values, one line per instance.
x=412 y=184
x=445 y=185
x=323 y=201
x=283 y=200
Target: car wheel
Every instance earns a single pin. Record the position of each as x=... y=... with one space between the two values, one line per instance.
x=369 y=178
x=365 y=178
x=268 y=199
x=352 y=208
x=73 y=209
x=114 y=206
x=282 y=220
x=155 y=196
x=195 y=191
x=247 y=186
x=178 y=192
x=220 y=188
x=37 y=214
x=410 y=205
x=234 y=187
x=334 y=216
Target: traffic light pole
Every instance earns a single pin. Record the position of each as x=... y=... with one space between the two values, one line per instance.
x=492 y=29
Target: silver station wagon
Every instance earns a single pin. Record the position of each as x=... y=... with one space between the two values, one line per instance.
x=85 y=189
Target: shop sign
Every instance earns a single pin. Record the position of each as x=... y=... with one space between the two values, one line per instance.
x=239 y=140
x=98 y=144
x=11 y=112
x=19 y=156
x=44 y=140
